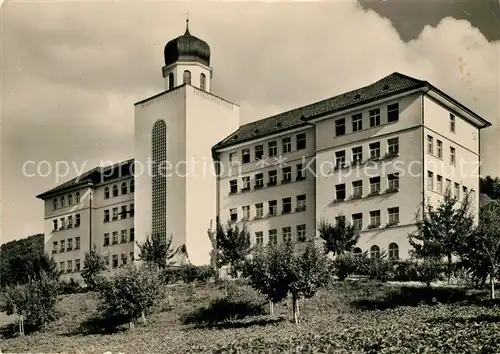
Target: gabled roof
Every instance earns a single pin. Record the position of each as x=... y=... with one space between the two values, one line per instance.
x=96 y=175
x=395 y=83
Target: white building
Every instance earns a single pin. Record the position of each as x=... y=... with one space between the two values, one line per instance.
x=374 y=155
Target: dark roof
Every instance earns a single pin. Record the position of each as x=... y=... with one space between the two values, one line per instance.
x=95 y=176
x=187 y=48
x=393 y=84
x=389 y=85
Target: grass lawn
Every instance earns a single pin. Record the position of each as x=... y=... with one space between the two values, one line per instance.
x=353 y=317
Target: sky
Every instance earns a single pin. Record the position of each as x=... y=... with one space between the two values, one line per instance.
x=71 y=72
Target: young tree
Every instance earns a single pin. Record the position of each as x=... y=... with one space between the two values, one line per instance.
x=214 y=236
x=339 y=238
x=482 y=253
x=93 y=265
x=490 y=186
x=443 y=231
x=158 y=250
x=234 y=246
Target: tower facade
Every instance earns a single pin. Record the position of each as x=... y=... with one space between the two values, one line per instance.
x=175 y=131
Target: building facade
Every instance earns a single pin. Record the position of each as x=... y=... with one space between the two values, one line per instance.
x=374 y=156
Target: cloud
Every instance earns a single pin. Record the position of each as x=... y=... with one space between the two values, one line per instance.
x=72 y=71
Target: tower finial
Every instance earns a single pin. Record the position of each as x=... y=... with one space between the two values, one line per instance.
x=187 y=24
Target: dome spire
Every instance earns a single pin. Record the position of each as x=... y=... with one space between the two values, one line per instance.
x=187 y=25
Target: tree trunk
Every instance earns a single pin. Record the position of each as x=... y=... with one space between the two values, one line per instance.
x=143 y=317
x=21 y=325
x=449 y=269
x=295 y=307
x=271 y=308
x=131 y=325
x=492 y=282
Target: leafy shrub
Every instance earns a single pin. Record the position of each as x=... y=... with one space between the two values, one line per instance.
x=93 y=266
x=35 y=301
x=70 y=287
x=188 y=274
x=130 y=293
x=350 y=264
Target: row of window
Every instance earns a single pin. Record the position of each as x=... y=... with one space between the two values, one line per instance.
x=374 y=117
x=375 y=252
x=439 y=150
x=115 y=191
x=374 y=153
x=125 y=236
x=272 y=149
x=63 y=202
x=114 y=261
x=439 y=187
x=375 y=218
x=357 y=190
x=68 y=266
x=286 y=208
x=66 y=223
x=286 y=235
x=186 y=78
x=121 y=215
x=60 y=246
x=286 y=174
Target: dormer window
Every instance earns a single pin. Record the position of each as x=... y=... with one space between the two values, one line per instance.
x=187 y=77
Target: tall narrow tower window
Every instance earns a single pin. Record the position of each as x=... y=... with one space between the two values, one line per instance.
x=187 y=77
x=159 y=179
x=203 y=79
x=170 y=81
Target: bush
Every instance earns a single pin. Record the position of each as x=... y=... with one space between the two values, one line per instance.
x=130 y=293
x=70 y=287
x=35 y=301
x=188 y=274
x=350 y=264
x=93 y=266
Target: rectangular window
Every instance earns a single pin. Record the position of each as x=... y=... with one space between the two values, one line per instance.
x=374 y=117
x=54 y=225
x=340 y=127
x=340 y=192
x=245 y=155
x=287 y=144
x=357 y=221
x=357 y=154
x=374 y=150
x=374 y=185
x=464 y=190
x=115 y=213
x=70 y=221
x=357 y=122
x=301 y=141
x=233 y=157
x=259 y=210
x=259 y=180
x=430 y=144
x=457 y=191
x=77 y=243
x=301 y=233
x=301 y=173
x=233 y=214
x=124 y=258
x=287 y=174
x=393 y=181
x=131 y=210
x=259 y=152
x=77 y=265
x=287 y=234
x=106 y=239
x=63 y=224
x=452 y=123
x=63 y=247
x=246 y=183
x=273 y=237
x=70 y=266
x=131 y=255
x=301 y=202
x=430 y=180
x=233 y=186
x=374 y=218
x=340 y=159
x=115 y=237
x=259 y=238
x=339 y=219
x=393 y=215
x=132 y=235
x=439 y=147
x=124 y=236
x=123 y=213
x=357 y=189
x=246 y=212
x=453 y=156
x=287 y=205
x=115 y=261
x=439 y=180
x=273 y=178
x=393 y=146
x=77 y=220
x=393 y=112
x=70 y=244
x=61 y=266
x=273 y=207
x=273 y=148
x=448 y=186
x=54 y=247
